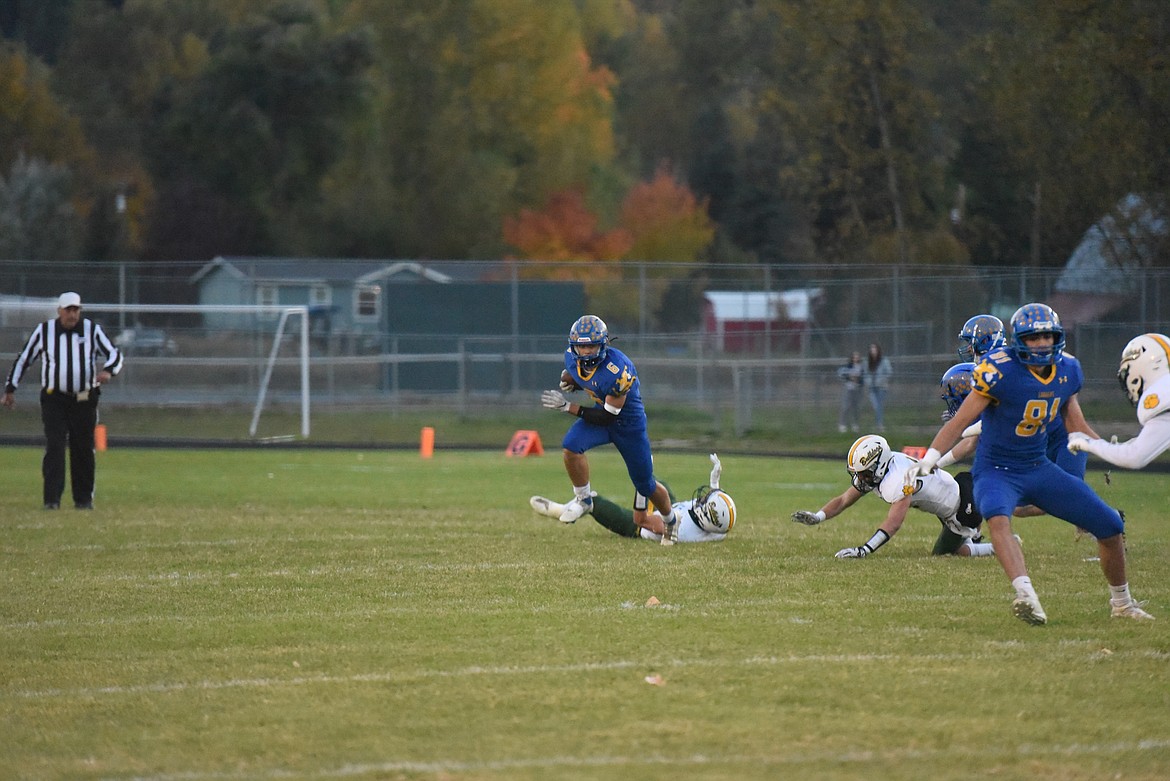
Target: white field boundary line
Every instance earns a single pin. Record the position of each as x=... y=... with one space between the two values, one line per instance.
x=462 y=607
x=891 y=756
x=476 y=671
x=170 y=687
x=376 y=569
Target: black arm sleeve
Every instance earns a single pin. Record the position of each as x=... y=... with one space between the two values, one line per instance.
x=597 y=415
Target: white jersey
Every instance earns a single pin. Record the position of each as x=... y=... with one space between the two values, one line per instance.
x=1151 y=441
x=936 y=493
x=688 y=529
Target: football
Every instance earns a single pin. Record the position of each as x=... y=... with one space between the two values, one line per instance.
x=567 y=381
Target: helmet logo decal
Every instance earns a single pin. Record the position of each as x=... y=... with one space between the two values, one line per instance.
x=1151 y=401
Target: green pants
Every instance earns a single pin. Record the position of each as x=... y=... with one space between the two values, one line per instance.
x=618 y=519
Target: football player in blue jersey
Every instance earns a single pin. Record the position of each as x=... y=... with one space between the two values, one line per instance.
x=979 y=336
x=617 y=416
x=1019 y=390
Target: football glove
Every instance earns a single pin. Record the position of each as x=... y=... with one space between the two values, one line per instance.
x=807 y=518
x=553 y=399
x=852 y=553
x=925 y=466
x=716 y=471
x=1077 y=441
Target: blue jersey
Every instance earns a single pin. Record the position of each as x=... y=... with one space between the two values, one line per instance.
x=1012 y=466
x=1024 y=407
x=615 y=376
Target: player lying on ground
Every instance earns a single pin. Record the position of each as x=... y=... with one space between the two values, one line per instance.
x=706 y=517
x=872 y=465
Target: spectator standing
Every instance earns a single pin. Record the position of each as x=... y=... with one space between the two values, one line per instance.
x=876 y=379
x=851 y=377
x=68 y=348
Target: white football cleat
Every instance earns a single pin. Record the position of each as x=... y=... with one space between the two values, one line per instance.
x=546 y=506
x=575 y=509
x=1132 y=609
x=670 y=531
x=1028 y=610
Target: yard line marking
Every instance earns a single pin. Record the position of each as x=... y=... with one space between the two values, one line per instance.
x=168 y=687
x=476 y=670
x=495 y=606
x=886 y=756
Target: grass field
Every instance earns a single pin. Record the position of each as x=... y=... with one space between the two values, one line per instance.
x=317 y=614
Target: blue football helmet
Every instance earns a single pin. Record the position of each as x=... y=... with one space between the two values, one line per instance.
x=1037 y=319
x=589 y=330
x=979 y=336
x=955 y=384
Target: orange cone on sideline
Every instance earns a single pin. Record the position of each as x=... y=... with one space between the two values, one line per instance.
x=426 y=445
x=99 y=437
x=525 y=443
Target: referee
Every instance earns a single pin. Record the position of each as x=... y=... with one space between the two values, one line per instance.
x=70 y=378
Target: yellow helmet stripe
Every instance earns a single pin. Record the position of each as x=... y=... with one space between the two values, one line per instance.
x=1161 y=340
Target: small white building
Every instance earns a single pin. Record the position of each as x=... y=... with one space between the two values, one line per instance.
x=746 y=321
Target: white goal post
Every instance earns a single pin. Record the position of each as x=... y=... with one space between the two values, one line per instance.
x=43 y=308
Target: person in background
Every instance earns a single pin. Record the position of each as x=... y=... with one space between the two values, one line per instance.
x=876 y=379
x=68 y=348
x=617 y=416
x=849 y=417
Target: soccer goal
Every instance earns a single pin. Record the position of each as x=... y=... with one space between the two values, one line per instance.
x=198 y=355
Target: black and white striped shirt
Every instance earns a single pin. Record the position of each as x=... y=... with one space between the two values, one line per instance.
x=68 y=358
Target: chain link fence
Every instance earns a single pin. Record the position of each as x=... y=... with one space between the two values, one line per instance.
x=736 y=360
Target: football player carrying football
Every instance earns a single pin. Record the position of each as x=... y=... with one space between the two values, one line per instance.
x=706 y=517
x=617 y=416
x=1018 y=391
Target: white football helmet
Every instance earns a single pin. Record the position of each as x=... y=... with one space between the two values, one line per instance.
x=1145 y=359
x=867 y=462
x=714 y=510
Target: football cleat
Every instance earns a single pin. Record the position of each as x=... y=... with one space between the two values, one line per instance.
x=546 y=506
x=670 y=530
x=1028 y=610
x=1131 y=609
x=575 y=509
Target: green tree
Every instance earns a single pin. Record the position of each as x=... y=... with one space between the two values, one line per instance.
x=37 y=221
x=1078 y=96
x=259 y=127
x=484 y=108
x=860 y=128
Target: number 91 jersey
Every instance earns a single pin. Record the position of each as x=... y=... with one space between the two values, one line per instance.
x=1023 y=406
